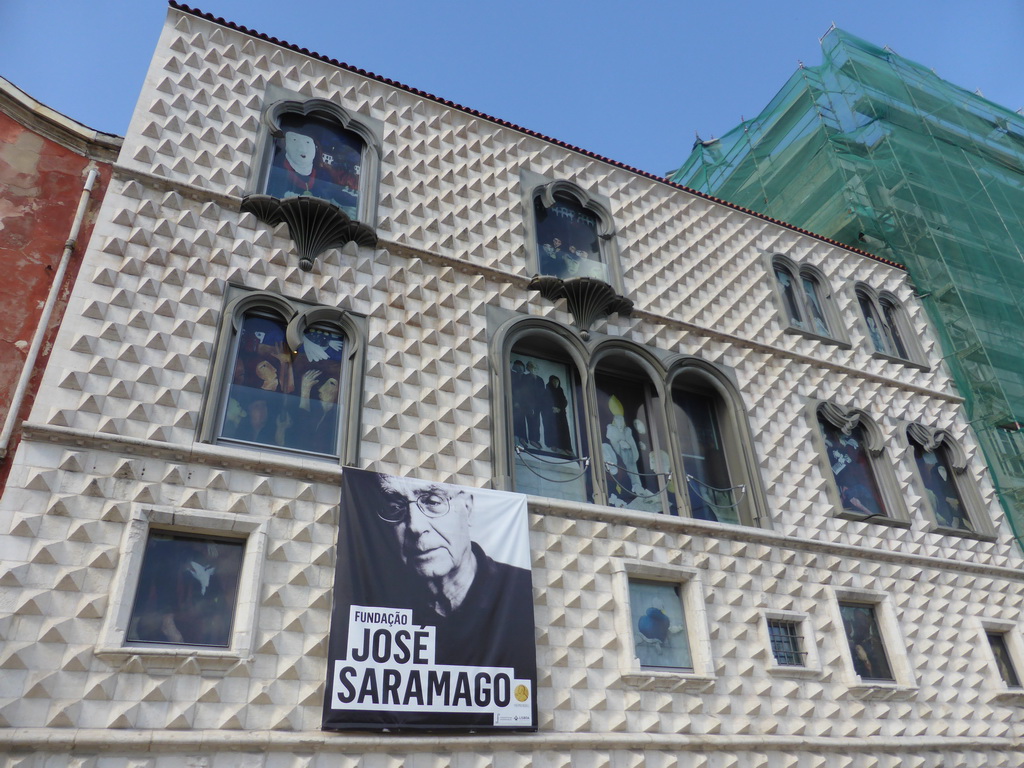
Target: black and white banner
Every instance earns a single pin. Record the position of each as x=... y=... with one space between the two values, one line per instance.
x=432 y=624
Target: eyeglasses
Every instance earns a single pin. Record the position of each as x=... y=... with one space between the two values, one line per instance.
x=432 y=503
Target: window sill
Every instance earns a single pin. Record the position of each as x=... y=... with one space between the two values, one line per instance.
x=672 y=682
x=946 y=530
x=901 y=360
x=798 y=331
x=882 y=691
x=1009 y=696
x=151 y=659
x=792 y=670
x=874 y=519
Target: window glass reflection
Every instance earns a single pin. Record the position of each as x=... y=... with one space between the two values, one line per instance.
x=851 y=467
x=865 y=639
x=707 y=471
x=940 y=485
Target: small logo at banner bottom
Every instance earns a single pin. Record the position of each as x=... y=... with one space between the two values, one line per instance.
x=522 y=693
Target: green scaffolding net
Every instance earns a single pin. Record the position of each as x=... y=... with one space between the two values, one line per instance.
x=878 y=152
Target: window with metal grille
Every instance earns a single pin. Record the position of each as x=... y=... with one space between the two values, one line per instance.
x=787 y=643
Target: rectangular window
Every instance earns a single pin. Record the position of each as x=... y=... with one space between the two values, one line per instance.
x=997 y=640
x=865 y=639
x=659 y=626
x=787 y=644
x=187 y=590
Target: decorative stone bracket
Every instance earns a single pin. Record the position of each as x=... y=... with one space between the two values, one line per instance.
x=314 y=224
x=587 y=299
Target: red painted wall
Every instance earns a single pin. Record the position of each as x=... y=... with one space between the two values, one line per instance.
x=40 y=185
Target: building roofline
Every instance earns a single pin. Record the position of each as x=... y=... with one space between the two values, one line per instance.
x=57 y=126
x=512 y=126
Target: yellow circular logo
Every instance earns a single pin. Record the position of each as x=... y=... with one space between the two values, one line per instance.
x=522 y=693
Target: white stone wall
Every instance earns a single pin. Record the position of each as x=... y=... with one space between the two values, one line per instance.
x=114 y=432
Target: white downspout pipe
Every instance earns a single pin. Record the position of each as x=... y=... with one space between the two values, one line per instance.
x=44 y=319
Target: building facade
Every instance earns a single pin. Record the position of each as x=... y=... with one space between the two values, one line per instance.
x=755 y=540
x=45 y=164
x=877 y=151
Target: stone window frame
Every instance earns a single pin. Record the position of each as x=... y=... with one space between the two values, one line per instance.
x=937 y=439
x=280 y=101
x=797 y=271
x=904 y=684
x=534 y=185
x=112 y=645
x=812 y=660
x=903 y=330
x=882 y=466
x=297 y=315
x=667 y=371
x=694 y=598
x=1001 y=690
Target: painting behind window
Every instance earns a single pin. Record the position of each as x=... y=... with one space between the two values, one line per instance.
x=280 y=399
x=851 y=466
x=567 y=241
x=635 y=469
x=187 y=590
x=940 y=485
x=318 y=158
x=547 y=443
x=659 y=626
x=865 y=639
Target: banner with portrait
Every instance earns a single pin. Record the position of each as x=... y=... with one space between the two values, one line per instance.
x=432 y=625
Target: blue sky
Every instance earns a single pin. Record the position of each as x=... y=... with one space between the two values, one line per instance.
x=633 y=82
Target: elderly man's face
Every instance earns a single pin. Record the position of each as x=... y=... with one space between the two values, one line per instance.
x=432 y=525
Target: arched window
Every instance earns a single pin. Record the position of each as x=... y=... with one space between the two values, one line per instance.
x=719 y=477
x=630 y=423
x=950 y=495
x=283 y=377
x=314 y=147
x=887 y=326
x=550 y=450
x=864 y=483
x=571 y=232
x=806 y=299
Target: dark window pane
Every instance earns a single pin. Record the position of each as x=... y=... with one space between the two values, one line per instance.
x=875 y=330
x=280 y=399
x=707 y=472
x=892 y=324
x=1006 y=670
x=865 y=639
x=940 y=485
x=319 y=158
x=635 y=472
x=851 y=466
x=786 y=642
x=785 y=281
x=549 y=457
x=187 y=590
x=818 y=322
x=567 y=241
x=659 y=626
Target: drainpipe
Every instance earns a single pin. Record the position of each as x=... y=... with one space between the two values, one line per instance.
x=44 y=320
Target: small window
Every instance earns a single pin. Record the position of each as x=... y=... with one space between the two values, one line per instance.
x=806 y=299
x=570 y=231
x=787 y=644
x=314 y=147
x=887 y=326
x=865 y=484
x=187 y=590
x=286 y=373
x=659 y=626
x=1004 y=661
x=867 y=648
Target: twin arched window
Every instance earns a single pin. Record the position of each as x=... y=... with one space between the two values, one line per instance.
x=806 y=298
x=284 y=377
x=951 y=497
x=887 y=326
x=618 y=424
